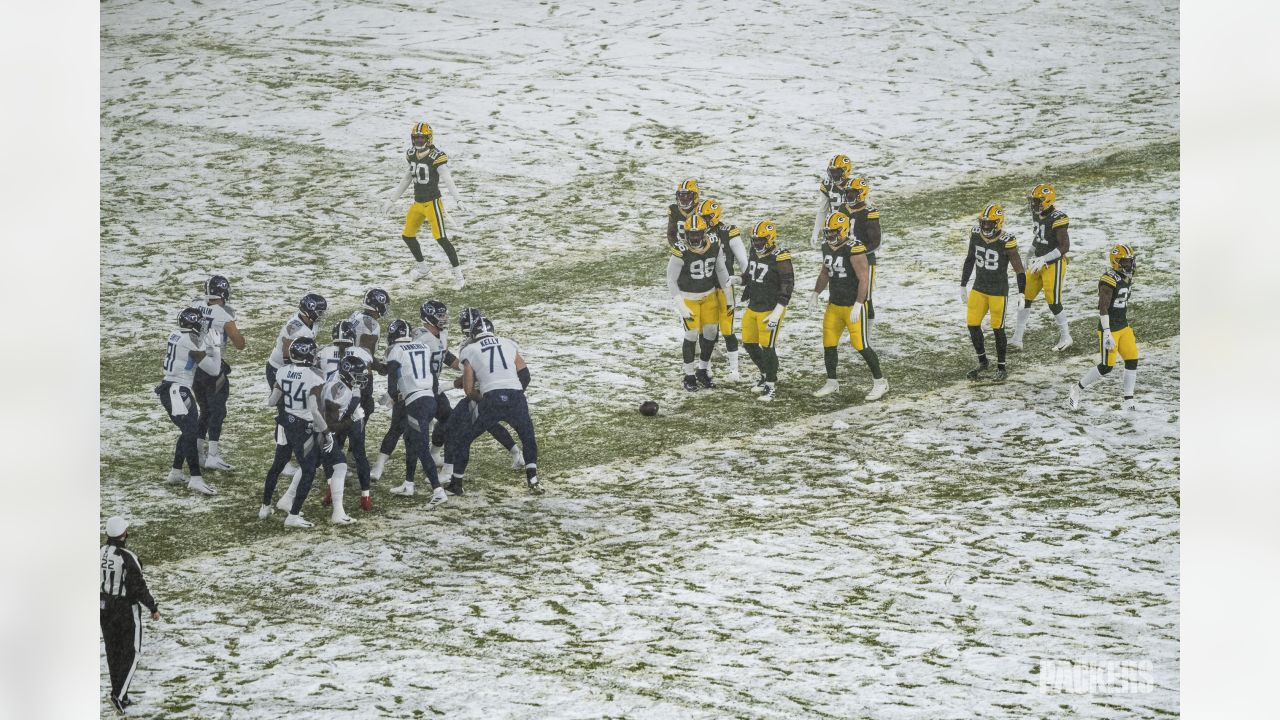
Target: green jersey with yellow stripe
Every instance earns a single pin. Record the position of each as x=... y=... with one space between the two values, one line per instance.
x=1121 y=292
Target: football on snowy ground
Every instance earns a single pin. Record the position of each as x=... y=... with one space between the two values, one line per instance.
x=649 y=407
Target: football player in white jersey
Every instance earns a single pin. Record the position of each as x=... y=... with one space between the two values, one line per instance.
x=365 y=323
x=311 y=310
x=212 y=390
x=184 y=352
x=494 y=374
x=331 y=357
x=342 y=413
x=412 y=381
x=300 y=418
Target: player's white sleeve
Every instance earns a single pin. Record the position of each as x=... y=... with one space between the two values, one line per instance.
x=722 y=270
x=739 y=250
x=446 y=178
x=404 y=185
x=673 y=275
x=824 y=207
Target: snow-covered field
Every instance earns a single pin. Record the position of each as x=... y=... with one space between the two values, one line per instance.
x=916 y=558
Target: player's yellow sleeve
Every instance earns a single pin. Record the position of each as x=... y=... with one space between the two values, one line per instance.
x=783 y=255
x=734 y=231
x=874 y=214
x=1011 y=244
x=1107 y=280
x=442 y=159
x=857 y=249
x=1060 y=222
x=675 y=252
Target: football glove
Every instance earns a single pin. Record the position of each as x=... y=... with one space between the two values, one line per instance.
x=385 y=206
x=735 y=280
x=812 y=299
x=964 y=294
x=855 y=311
x=328 y=442
x=1108 y=341
x=682 y=309
x=774 y=318
x=386 y=401
x=1037 y=264
x=458 y=206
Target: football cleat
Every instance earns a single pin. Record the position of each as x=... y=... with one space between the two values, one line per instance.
x=341 y=519
x=328 y=496
x=1075 y=395
x=827 y=388
x=766 y=395
x=759 y=386
x=704 y=379
x=176 y=476
x=878 y=389
x=976 y=373
x=1001 y=375
x=405 y=489
x=286 y=502
x=690 y=383
x=438 y=497
x=1063 y=343
x=297 y=521
x=454 y=487
x=264 y=512
x=991 y=221
x=733 y=376
x=421 y=268
x=215 y=462
x=458 y=281
x=517 y=458
x=198 y=485
x=1016 y=344
x=534 y=486
x=1128 y=404
x=366 y=503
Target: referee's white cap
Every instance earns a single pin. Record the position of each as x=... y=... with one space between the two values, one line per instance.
x=116 y=526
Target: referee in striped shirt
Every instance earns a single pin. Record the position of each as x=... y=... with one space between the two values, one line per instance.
x=121 y=591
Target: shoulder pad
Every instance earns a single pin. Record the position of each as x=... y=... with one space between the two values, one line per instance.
x=782 y=254
x=231 y=312
x=857 y=248
x=1010 y=242
x=1109 y=277
x=1058 y=219
x=973 y=232
x=734 y=231
x=678 y=249
x=823 y=186
x=437 y=156
x=294 y=326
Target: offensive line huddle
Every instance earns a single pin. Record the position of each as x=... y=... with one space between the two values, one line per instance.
x=324 y=396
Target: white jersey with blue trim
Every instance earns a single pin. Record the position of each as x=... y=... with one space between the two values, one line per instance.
x=294 y=329
x=329 y=358
x=296 y=383
x=338 y=394
x=418 y=371
x=365 y=325
x=216 y=318
x=179 y=366
x=493 y=360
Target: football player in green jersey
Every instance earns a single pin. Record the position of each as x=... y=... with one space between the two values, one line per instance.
x=991 y=251
x=769 y=279
x=1115 y=335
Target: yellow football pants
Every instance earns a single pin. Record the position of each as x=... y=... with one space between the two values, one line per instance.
x=431 y=212
x=980 y=303
x=1050 y=278
x=726 y=311
x=836 y=319
x=706 y=311
x=1126 y=345
x=755 y=329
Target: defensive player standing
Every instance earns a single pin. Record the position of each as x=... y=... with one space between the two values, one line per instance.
x=494 y=375
x=846 y=271
x=831 y=194
x=769 y=280
x=864 y=218
x=1048 y=267
x=991 y=251
x=412 y=380
x=1115 y=290
x=730 y=238
x=183 y=352
x=426 y=171
x=212 y=391
x=695 y=271
x=686 y=204
x=296 y=395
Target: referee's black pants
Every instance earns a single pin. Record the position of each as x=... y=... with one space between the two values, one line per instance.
x=122 y=634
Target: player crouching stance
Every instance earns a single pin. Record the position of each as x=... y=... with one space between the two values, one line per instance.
x=992 y=251
x=494 y=376
x=846 y=271
x=694 y=273
x=769 y=280
x=300 y=427
x=1114 y=332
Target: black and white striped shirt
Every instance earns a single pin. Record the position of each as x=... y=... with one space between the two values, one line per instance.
x=121 y=581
